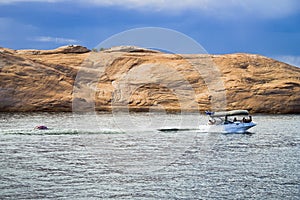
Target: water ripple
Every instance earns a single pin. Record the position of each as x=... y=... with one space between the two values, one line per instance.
x=146 y=164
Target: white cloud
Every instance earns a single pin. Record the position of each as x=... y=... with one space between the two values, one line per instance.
x=19 y=1
x=57 y=40
x=219 y=8
x=292 y=60
x=12 y=30
x=7 y=23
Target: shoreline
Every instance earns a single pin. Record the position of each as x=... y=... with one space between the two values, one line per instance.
x=176 y=112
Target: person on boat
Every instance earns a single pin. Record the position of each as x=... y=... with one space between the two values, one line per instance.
x=226 y=120
x=244 y=120
x=247 y=120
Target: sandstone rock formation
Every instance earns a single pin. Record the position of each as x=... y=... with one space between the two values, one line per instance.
x=73 y=78
x=129 y=49
x=63 y=49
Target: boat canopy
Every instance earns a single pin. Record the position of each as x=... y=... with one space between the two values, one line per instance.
x=228 y=113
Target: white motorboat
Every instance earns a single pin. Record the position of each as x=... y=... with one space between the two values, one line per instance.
x=234 y=121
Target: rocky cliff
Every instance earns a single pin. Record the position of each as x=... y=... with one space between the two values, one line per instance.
x=74 y=78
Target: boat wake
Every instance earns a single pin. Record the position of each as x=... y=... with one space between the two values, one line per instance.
x=176 y=129
x=58 y=132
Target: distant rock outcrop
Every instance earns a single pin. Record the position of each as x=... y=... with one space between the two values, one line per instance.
x=63 y=49
x=140 y=79
x=130 y=49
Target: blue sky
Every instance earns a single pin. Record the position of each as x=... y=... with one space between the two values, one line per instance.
x=269 y=27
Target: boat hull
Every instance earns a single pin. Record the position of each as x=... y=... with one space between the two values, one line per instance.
x=238 y=127
x=235 y=127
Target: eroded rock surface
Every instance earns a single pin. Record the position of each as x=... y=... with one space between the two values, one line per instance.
x=140 y=80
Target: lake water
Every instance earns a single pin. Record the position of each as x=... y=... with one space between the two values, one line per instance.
x=123 y=156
